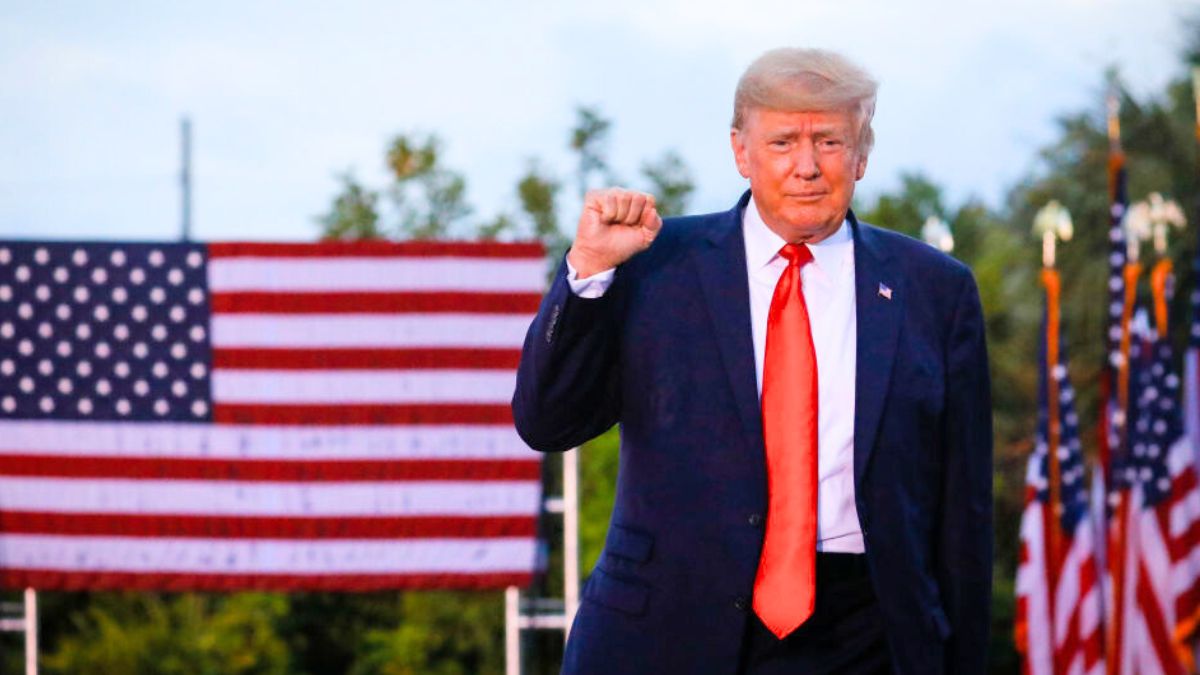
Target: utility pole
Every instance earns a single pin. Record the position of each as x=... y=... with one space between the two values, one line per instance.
x=185 y=179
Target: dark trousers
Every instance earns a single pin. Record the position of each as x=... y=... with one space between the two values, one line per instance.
x=844 y=635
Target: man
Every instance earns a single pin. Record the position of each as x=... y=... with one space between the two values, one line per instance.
x=805 y=471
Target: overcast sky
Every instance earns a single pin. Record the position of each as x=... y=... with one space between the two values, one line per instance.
x=284 y=95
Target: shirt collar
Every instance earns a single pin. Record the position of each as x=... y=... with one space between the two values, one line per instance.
x=763 y=244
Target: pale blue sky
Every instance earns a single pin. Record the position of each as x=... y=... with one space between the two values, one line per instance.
x=284 y=94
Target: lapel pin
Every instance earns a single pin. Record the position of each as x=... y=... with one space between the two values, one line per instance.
x=884 y=291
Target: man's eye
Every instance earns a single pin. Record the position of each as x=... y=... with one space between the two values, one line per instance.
x=779 y=144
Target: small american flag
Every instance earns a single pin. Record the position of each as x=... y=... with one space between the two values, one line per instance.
x=288 y=416
x=1157 y=524
x=1059 y=619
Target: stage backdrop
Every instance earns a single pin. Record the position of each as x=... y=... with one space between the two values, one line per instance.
x=330 y=416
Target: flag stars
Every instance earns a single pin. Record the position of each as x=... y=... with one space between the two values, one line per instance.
x=155 y=258
x=137 y=276
x=117 y=257
x=79 y=257
x=22 y=273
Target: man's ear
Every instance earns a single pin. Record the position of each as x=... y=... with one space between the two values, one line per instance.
x=861 y=169
x=738 y=142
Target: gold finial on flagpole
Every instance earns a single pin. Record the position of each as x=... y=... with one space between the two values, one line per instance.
x=1052 y=222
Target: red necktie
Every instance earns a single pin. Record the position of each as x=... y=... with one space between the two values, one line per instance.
x=785 y=588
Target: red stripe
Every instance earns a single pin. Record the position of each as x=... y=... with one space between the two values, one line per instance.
x=374 y=303
x=74 y=581
x=314 y=471
x=365 y=359
x=248 y=527
x=314 y=415
x=1152 y=616
x=376 y=249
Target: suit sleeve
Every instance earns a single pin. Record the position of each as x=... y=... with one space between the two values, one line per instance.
x=567 y=382
x=965 y=532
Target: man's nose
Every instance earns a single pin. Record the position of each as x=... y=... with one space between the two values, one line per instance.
x=806 y=162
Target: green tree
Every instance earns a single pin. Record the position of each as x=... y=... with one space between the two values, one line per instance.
x=353 y=214
x=670 y=182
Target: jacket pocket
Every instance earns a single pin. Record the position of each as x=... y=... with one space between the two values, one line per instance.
x=615 y=593
x=631 y=545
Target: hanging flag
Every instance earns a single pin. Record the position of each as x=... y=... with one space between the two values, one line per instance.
x=1157 y=595
x=1059 y=610
x=329 y=416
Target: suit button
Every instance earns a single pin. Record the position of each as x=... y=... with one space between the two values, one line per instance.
x=741 y=603
x=755 y=519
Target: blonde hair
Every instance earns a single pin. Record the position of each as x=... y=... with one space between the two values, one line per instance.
x=808 y=80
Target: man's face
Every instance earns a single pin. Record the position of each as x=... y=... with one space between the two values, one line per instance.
x=802 y=168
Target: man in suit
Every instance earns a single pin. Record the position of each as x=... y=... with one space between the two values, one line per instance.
x=805 y=469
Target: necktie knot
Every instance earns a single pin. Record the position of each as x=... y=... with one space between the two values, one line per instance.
x=796 y=254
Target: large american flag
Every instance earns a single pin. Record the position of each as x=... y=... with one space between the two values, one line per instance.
x=1059 y=620
x=287 y=416
x=1156 y=594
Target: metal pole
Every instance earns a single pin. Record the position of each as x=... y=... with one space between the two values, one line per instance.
x=512 y=631
x=185 y=179
x=570 y=538
x=31 y=632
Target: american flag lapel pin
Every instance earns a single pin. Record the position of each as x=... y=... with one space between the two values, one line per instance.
x=884 y=291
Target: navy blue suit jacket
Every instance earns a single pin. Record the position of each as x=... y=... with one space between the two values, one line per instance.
x=667 y=353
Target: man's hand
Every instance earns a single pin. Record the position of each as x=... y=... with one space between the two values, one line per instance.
x=615 y=225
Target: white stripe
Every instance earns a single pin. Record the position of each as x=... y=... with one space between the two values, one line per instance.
x=266 y=556
x=376 y=274
x=199 y=497
x=148 y=439
x=1032 y=585
x=369 y=330
x=1153 y=553
x=363 y=386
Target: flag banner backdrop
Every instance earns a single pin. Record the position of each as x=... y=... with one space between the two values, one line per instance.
x=1060 y=613
x=326 y=416
x=1157 y=591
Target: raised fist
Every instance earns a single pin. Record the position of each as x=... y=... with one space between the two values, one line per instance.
x=615 y=225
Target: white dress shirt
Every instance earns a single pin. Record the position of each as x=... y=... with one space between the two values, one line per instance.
x=829 y=295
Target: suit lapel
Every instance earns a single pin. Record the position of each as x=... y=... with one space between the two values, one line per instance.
x=878 y=319
x=721 y=266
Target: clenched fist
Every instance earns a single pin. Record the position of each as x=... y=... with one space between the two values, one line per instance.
x=615 y=225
